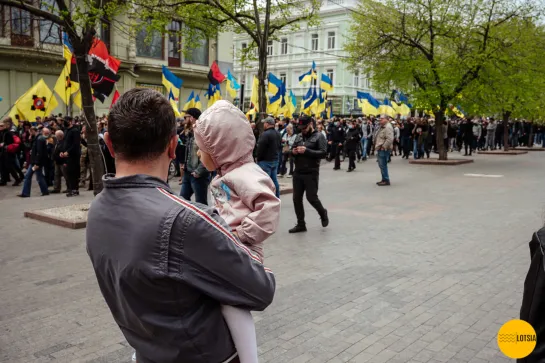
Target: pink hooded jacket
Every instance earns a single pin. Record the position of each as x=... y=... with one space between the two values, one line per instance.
x=243 y=193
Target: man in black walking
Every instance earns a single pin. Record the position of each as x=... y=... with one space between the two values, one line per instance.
x=308 y=149
x=72 y=150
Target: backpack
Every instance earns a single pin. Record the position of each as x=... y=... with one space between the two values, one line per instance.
x=13 y=148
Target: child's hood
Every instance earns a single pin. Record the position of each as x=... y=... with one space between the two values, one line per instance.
x=225 y=134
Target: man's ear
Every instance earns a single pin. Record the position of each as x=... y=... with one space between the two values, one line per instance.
x=172 y=147
x=109 y=145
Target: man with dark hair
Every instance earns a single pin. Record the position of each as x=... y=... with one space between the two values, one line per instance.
x=308 y=149
x=165 y=265
x=269 y=145
x=72 y=152
x=196 y=178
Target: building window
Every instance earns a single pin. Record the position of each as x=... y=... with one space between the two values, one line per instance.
x=49 y=31
x=21 y=28
x=314 y=44
x=199 y=54
x=330 y=40
x=21 y=22
x=357 y=79
x=243 y=46
x=105 y=34
x=330 y=75
x=149 y=45
x=174 y=43
x=283 y=77
x=284 y=46
x=270 y=47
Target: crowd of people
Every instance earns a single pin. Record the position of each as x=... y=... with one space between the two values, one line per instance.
x=52 y=148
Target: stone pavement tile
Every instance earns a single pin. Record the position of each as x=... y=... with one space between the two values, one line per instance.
x=396 y=276
x=362 y=358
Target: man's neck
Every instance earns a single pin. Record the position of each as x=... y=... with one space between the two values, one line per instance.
x=155 y=168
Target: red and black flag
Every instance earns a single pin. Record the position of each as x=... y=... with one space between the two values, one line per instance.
x=102 y=69
x=214 y=75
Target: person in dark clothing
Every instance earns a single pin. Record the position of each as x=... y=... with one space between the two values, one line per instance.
x=9 y=146
x=49 y=167
x=60 y=168
x=467 y=135
x=406 y=142
x=308 y=149
x=72 y=150
x=533 y=299
x=269 y=146
x=196 y=178
x=38 y=159
x=499 y=135
x=353 y=138
x=336 y=140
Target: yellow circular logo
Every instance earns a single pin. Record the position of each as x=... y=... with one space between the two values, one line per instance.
x=517 y=339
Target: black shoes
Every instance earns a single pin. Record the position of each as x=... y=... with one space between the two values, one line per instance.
x=350 y=170
x=72 y=193
x=23 y=196
x=383 y=183
x=17 y=183
x=298 y=228
x=54 y=191
x=325 y=219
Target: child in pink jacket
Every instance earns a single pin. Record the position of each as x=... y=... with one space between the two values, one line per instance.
x=244 y=196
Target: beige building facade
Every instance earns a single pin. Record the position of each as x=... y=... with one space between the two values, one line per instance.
x=31 y=49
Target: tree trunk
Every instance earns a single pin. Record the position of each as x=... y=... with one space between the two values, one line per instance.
x=439 y=124
x=531 y=136
x=506 y=115
x=96 y=162
x=262 y=76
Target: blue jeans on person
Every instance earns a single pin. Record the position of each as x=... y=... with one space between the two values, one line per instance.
x=28 y=181
x=383 y=156
x=279 y=167
x=417 y=154
x=364 y=142
x=271 y=168
x=197 y=186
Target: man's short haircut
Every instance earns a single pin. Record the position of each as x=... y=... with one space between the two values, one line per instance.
x=141 y=125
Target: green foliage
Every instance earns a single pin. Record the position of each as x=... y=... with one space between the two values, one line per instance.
x=513 y=82
x=433 y=49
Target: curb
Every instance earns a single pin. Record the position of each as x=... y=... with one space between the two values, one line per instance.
x=451 y=162
x=55 y=221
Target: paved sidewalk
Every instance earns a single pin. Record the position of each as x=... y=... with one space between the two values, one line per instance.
x=426 y=270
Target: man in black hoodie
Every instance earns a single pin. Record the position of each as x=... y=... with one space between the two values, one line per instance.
x=72 y=151
x=38 y=160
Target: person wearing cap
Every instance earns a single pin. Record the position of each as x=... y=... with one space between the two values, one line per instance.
x=383 y=146
x=269 y=146
x=308 y=149
x=196 y=178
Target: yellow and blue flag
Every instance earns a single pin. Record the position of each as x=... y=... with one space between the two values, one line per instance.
x=309 y=102
x=190 y=103
x=275 y=84
x=291 y=105
x=310 y=75
x=232 y=85
x=329 y=110
x=326 y=83
x=387 y=109
x=368 y=104
x=172 y=84
x=254 y=97
x=213 y=93
x=198 y=104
